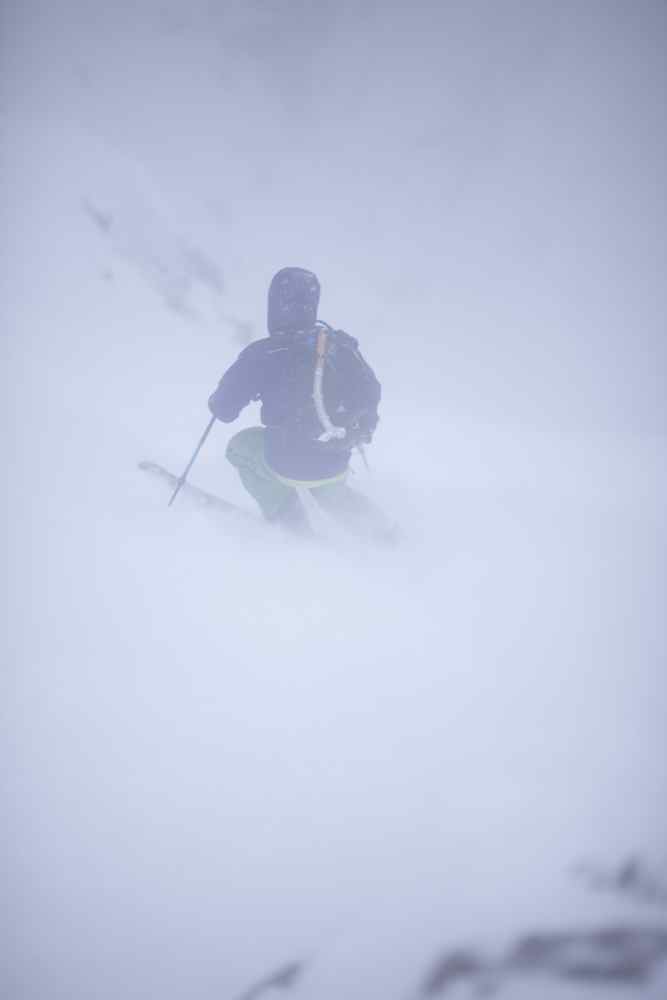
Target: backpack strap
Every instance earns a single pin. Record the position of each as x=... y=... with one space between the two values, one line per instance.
x=330 y=430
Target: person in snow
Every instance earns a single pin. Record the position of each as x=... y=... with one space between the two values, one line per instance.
x=319 y=401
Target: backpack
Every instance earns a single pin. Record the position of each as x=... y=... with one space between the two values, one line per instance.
x=331 y=391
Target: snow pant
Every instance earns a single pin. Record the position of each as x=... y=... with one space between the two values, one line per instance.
x=279 y=501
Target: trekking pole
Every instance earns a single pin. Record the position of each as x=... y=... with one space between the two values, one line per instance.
x=192 y=460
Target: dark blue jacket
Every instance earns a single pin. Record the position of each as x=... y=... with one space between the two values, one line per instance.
x=270 y=370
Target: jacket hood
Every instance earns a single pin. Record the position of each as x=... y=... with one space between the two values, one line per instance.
x=294 y=296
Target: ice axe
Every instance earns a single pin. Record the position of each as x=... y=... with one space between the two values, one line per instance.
x=362 y=452
x=192 y=460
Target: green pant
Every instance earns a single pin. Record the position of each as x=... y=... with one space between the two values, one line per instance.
x=280 y=502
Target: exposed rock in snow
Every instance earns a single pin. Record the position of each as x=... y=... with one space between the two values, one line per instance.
x=634 y=877
x=138 y=233
x=282 y=979
x=612 y=955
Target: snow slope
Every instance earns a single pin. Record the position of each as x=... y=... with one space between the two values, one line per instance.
x=228 y=751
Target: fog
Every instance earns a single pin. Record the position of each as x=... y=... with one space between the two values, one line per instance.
x=227 y=750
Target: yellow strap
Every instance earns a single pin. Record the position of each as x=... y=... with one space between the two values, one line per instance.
x=310 y=484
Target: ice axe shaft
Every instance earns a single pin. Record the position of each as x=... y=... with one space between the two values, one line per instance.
x=362 y=452
x=192 y=460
